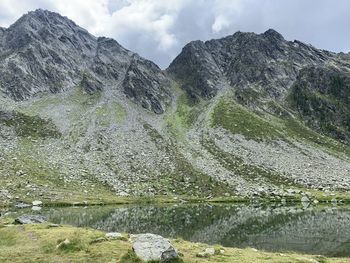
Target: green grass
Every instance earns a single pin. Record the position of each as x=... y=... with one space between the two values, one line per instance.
x=29 y=126
x=184 y=117
x=238 y=120
x=39 y=243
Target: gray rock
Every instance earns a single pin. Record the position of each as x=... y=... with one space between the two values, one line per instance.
x=30 y=219
x=150 y=247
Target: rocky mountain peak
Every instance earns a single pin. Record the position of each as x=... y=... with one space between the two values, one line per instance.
x=266 y=61
x=46 y=52
x=273 y=34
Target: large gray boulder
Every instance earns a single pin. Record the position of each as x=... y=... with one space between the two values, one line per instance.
x=150 y=247
x=30 y=219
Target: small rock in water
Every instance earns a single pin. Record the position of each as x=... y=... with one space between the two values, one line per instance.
x=37 y=203
x=150 y=247
x=30 y=219
x=36 y=208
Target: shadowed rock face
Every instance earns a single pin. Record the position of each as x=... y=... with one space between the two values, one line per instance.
x=45 y=52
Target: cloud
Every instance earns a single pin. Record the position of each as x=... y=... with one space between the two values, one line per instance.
x=158 y=29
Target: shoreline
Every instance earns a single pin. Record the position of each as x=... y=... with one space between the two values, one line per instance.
x=89 y=245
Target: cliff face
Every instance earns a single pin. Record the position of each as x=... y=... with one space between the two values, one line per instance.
x=248 y=114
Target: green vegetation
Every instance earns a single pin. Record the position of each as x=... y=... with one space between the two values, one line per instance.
x=185 y=116
x=29 y=126
x=247 y=171
x=325 y=109
x=237 y=119
x=185 y=179
x=41 y=243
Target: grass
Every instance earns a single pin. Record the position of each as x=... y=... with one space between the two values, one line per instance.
x=40 y=243
x=29 y=126
x=239 y=120
x=184 y=117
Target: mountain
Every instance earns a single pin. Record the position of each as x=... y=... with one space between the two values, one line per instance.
x=249 y=114
x=45 y=52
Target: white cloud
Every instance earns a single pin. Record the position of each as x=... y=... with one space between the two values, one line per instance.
x=220 y=23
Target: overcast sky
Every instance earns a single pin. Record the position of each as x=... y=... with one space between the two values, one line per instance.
x=158 y=29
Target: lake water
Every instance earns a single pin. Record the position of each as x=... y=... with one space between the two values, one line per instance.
x=314 y=230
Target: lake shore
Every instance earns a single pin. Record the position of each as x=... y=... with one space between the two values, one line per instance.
x=40 y=243
x=304 y=195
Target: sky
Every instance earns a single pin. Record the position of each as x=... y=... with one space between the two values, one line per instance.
x=158 y=29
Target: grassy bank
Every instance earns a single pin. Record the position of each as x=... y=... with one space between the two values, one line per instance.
x=41 y=243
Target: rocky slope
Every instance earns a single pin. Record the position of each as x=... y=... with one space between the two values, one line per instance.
x=247 y=114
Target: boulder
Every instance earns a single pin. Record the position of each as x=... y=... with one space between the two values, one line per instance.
x=30 y=219
x=151 y=247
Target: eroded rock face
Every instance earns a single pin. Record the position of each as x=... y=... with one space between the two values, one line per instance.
x=46 y=52
x=150 y=247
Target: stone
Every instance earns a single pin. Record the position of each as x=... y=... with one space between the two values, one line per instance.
x=150 y=247
x=37 y=203
x=30 y=219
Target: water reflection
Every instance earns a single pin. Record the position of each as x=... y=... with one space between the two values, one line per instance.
x=275 y=228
